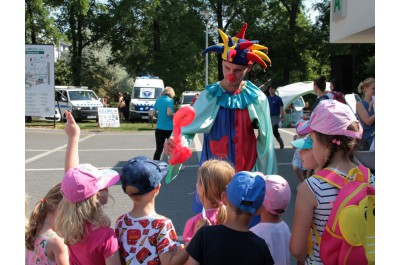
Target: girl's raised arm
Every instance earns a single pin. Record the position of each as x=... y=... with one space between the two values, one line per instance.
x=73 y=132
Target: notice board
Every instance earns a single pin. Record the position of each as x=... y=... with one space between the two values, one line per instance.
x=108 y=117
x=39 y=80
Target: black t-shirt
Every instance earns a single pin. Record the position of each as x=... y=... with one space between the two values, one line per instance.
x=219 y=245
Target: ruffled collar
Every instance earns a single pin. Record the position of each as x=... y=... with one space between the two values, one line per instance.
x=247 y=95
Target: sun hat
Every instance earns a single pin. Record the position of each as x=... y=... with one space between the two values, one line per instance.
x=238 y=50
x=277 y=194
x=331 y=117
x=303 y=143
x=246 y=191
x=85 y=180
x=143 y=173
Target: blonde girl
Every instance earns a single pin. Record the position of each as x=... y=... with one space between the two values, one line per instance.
x=43 y=244
x=212 y=178
x=80 y=219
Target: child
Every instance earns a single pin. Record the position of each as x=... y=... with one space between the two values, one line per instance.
x=333 y=128
x=232 y=242
x=272 y=228
x=43 y=244
x=212 y=179
x=304 y=145
x=80 y=219
x=144 y=236
x=298 y=168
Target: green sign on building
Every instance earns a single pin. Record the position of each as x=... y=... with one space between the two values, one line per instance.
x=339 y=9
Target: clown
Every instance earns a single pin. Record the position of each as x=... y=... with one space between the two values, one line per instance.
x=229 y=111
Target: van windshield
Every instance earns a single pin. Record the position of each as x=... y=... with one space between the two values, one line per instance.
x=147 y=92
x=82 y=95
x=187 y=99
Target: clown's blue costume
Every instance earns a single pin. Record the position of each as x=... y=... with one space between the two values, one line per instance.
x=228 y=119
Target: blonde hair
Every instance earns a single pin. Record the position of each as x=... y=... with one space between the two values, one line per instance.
x=364 y=84
x=47 y=205
x=169 y=91
x=72 y=219
x=214 y=175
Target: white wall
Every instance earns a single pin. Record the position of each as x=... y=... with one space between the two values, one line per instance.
x=357 y=24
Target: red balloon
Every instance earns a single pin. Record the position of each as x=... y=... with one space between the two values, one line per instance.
x=183 y=117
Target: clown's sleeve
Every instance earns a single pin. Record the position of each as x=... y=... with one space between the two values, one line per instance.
x=266 y=158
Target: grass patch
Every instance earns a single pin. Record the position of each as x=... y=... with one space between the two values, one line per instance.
x=92 y=125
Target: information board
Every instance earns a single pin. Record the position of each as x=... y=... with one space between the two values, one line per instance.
x=108 y=117
x=39 y=80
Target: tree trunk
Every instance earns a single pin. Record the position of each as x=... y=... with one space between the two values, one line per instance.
x=31 y=22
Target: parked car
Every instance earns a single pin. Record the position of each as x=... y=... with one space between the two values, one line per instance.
x=81 y=101
x=187 y=98
x=56 y=117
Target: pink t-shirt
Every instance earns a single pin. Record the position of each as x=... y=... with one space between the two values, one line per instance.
x=190 y=226
x=99 y=245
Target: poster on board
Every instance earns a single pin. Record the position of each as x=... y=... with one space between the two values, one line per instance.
x=108 y=117
x=39 y=80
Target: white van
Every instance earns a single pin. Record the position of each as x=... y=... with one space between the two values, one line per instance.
x=187 y=98
x=79 y=100
x=145 y=92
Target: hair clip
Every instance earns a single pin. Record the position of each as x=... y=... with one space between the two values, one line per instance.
x=42 y=200
x=334 y=141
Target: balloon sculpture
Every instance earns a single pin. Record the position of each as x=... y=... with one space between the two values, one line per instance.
x=183 y=117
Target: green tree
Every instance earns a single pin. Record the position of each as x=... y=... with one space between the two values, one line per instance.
x=161 y=38
x=79 y=19
x=40 y=26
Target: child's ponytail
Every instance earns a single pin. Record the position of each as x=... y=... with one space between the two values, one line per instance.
x=222 y=215
x=43 y=207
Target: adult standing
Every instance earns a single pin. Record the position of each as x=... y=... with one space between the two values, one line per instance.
x=276 y=113
x=319 y=87
x=164 y=107
x=127 y=100
x=228 y=111
x=195 y=98
x=366 y=112
x=121 y=106
x=336 y=93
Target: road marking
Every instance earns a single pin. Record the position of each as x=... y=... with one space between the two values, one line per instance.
x=288 y=132
x=53 y=150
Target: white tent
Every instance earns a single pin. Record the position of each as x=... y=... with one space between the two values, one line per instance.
x=292 y=92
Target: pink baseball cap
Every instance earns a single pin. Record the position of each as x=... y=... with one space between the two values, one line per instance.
x=331 y=117
x=85 y=180
x=277 y=194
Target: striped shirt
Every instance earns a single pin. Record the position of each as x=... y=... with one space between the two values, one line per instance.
x=326 y=195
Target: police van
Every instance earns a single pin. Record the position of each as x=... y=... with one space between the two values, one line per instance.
x=82 y=102
x=146 y=90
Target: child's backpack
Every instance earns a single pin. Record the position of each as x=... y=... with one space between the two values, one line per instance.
x=339 y=96
x=349 y=235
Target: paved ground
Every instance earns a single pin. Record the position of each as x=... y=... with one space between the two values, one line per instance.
x=44 y=165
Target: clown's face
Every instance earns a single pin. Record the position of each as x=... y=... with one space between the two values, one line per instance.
x=233 y=75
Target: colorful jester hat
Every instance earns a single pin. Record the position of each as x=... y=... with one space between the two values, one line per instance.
x=238 y=50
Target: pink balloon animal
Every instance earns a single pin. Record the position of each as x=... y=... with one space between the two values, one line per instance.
x=183 y=117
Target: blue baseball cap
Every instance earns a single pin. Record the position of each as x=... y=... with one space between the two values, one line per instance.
x=246 y=191
x=303 y=143
x=143 y=173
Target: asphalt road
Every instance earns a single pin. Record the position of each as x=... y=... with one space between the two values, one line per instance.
x=44 y=165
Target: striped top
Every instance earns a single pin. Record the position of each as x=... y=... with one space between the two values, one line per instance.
x=326 y=195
